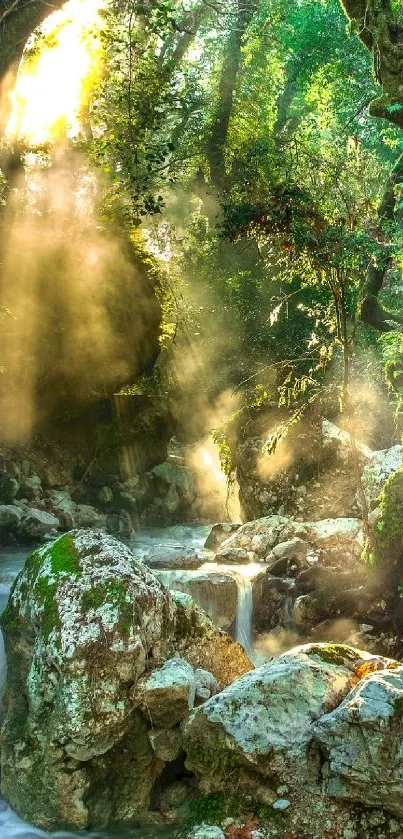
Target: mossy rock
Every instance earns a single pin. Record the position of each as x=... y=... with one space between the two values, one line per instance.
x=84 y=622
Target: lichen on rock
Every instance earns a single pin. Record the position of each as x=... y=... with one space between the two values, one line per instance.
x=85 y=621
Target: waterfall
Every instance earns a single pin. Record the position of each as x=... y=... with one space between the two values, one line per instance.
x=288 y=612
x=244 y=614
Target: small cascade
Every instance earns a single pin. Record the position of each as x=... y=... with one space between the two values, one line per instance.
x=244 y=614
x=288 y=613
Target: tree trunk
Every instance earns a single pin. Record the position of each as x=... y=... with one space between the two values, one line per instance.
x=226 y=91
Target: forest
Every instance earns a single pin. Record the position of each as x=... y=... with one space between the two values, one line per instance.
x=201 y=419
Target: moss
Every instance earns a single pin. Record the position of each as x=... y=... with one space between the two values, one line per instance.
x=333 y=653
x=384 y=550
x=114 y=593
x=212 y=808
x=64 y=559
x=217 y=759
x=64 y=556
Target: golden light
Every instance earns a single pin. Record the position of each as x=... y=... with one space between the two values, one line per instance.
x=55 y=73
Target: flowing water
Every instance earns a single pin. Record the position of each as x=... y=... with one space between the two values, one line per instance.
x=163 y=541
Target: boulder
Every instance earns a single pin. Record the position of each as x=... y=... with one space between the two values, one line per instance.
x=293 y=549
x=219 y=532
x=36 y=524
x=87 y=516
x=63 y=507
x=234 y=556
x=264 y=721
x=31 y=488
x=169 y=693
x=9 y=487
x=338 y=536
x=362 y=740
x=120 y=525
x=312 y=733
x=262 y=535
x=381 y=465
x=182 y=558
x=166 y=743
x=10 y=518
x=85 y=627
x=273 y=599
x=307 y=610
x=216 y=593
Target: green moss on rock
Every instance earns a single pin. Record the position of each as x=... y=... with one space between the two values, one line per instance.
x=113 y=593
x=64 y=556
x=384 y=549
x=334 y=653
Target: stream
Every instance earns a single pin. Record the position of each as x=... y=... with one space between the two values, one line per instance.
x=169 y=542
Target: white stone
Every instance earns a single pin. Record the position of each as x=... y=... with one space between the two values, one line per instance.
x=206 y=831
x=381 y=465
x=332 y=434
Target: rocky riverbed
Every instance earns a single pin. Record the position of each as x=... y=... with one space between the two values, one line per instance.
x=136 y=707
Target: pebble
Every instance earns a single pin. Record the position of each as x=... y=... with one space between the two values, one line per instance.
x=281 y=804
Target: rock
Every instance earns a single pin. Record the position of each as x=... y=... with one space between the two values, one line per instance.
x=281 y=804
x=309 y=735
x=9 y=487
x=10 y=518
x=216 y=593
x=294 y=549
x=178 y=478
x=87 y=516
x=166 y=743
x=31 y=488
x=234 y=556
x=85 y=626
x=206 y=684
x=250 y=724
x=307 y=610
x=174 y=796
x=343 y=534
x=120 y=525
x=362 y=741
x=173 y=559
x=271 y=596
x=337 y=439
x=36 y=524
x=218 y=534
x=382 y=464
x=261 y=535
x=327 y=579
x=105 y=496
x=169 y=693
x=63 y=507
x=264 y=722
x=206 y=831
x=57 y=475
